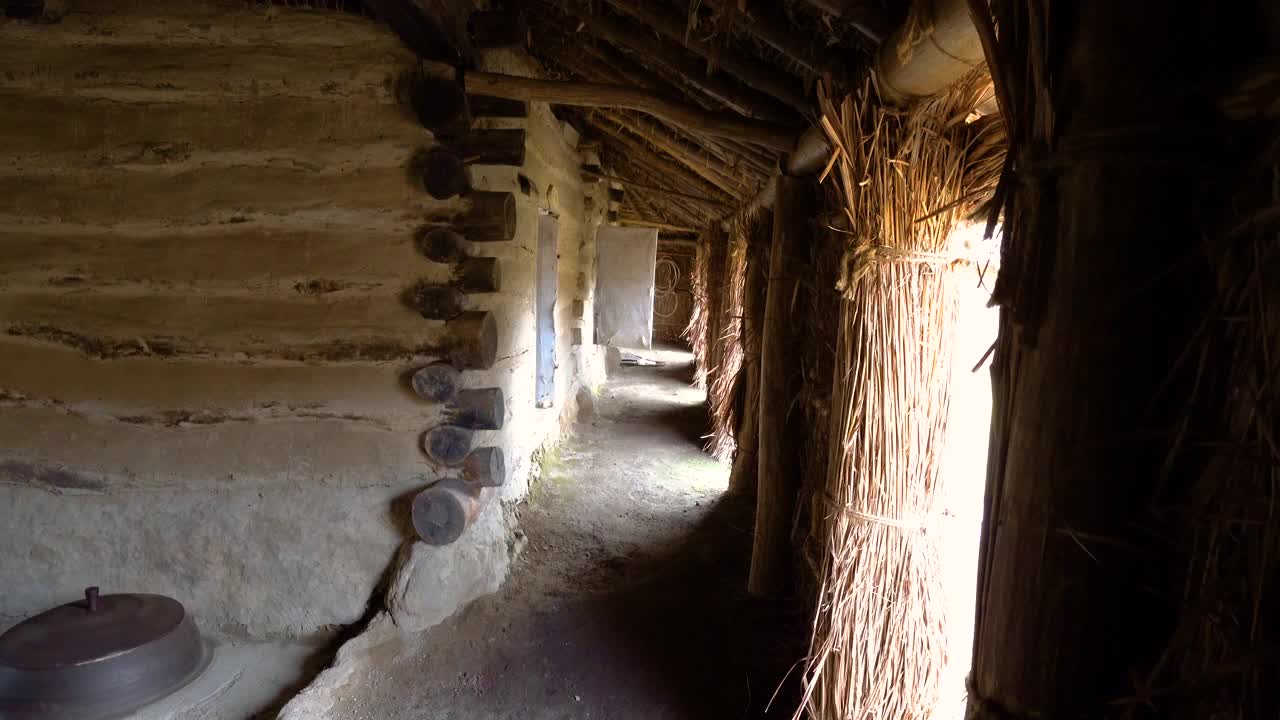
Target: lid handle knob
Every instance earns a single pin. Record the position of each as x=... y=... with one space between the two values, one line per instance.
x=91 y=598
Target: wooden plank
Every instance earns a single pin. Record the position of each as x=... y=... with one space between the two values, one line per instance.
x=38 y=124
x=167 y=73
x=169 y=324
x=203 y=23
x=56 y=450
x=38 y=374
x=215 y=194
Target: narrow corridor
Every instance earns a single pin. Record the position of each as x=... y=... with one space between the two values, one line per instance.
x=627 y=601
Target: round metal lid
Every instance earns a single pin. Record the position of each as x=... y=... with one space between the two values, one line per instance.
x=99 y=657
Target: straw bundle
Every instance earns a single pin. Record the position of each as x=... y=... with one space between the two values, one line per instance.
x=905 y=180
x=696 y=332
x=727 y=353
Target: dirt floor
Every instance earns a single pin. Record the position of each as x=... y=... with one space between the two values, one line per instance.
x=628 y=599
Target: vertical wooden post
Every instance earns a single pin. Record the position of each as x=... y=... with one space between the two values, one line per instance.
x=717 y=272
x=745 y=463
x=772 y=558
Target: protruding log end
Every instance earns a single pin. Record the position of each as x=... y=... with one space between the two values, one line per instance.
x=493 y=29
x=444 y=174
x=473 y=340
x=443 y=511
x=440 y=103
x=489 y=106
x=491 y=147
x=447 y=445
x=435 y=302
x=485 y=467
x=441 y=245
x=491 y=217
x=478 y=275
x=437 y=382
x=479 y=409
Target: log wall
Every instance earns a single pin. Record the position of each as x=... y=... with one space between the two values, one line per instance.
x=208 y=214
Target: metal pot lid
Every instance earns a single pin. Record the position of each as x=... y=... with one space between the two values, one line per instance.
x=99 y=657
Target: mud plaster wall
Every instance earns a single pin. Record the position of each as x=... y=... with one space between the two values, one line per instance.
x=206 y=225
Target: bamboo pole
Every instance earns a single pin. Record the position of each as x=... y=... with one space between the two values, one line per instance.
x=583 y=94
x=772 y=561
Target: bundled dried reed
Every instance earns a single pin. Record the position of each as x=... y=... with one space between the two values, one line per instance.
x=696 y=332
x=726 y=357
x=905 y=180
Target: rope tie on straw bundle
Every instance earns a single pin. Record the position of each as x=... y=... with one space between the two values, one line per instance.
x=856 y=262
x=919 y=521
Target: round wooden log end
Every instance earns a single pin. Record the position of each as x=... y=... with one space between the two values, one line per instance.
x=440 y=104
x=485 y=467
x=491 y=217
x=441 y=245
x=473 y=342
x=440 y=513
x=437 y=382
x=435 y=302
x=479 y=408
x=444 y=175
x=447 y=445
x=478 y=275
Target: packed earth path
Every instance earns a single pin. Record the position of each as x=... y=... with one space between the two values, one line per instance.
x=628 y=599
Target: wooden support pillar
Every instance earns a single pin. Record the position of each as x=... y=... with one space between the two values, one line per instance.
x=773 y=556
x=1116 y=531
x=742 y=479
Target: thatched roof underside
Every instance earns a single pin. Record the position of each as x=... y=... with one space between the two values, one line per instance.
x=763 y=63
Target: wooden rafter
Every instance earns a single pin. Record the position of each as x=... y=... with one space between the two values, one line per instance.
x=766 y=22
x=680 y=62
x=711 y=170
x=750 y=70
x=664 y=165
x=729 y=152
x=582 y=94
x=701 y=199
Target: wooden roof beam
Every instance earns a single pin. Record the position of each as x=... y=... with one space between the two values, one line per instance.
x=654 y=189
x=730 y=152
x=653 y=177
x=751 y=71
x=711 y=170
x=687 y=67
x=583 y=94
x=641 y=167
x=769 y=25
x=664 y=166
